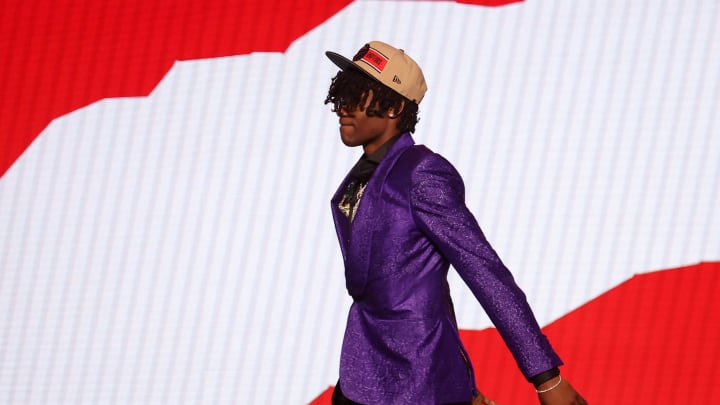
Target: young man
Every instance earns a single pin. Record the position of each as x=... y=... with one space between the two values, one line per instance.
x=401 y=221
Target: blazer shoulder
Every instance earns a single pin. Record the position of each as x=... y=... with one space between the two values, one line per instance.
x=417 y=156
x=420 y=159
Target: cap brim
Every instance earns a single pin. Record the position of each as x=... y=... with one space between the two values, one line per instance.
x=345 y=63
x=341 y=61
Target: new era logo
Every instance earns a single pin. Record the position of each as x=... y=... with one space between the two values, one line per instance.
x=396 y=80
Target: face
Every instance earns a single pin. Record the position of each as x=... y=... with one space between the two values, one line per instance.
x=359 y=129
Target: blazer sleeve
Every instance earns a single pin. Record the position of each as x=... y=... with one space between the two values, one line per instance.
x=437 y=200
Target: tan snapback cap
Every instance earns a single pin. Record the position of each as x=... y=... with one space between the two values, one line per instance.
x=388 y=65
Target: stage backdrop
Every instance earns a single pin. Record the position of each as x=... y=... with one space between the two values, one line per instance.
x=165 y=230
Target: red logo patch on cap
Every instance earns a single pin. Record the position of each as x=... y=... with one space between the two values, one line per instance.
x=375 y=59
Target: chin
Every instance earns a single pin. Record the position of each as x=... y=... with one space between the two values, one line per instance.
x=348 y=142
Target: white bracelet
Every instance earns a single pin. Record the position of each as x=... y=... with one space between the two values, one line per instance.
x=551 y=388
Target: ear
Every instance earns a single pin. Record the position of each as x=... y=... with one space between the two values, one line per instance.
x=392 y=114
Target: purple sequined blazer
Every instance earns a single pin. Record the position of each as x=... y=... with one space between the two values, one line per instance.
x=401 y=343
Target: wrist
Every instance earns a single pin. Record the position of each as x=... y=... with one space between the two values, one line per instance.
x=549 y=385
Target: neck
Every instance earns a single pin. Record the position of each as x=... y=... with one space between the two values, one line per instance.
x=380 y=141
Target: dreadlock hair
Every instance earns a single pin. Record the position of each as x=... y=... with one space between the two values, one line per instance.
x=350 y=88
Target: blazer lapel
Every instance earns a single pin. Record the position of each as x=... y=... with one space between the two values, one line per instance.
x=342 y=224
x=359 y=243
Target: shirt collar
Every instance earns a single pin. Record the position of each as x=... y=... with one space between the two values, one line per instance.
x=365 y=167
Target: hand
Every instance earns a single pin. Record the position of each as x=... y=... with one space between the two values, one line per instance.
x=480 y=399
x=563 y=394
